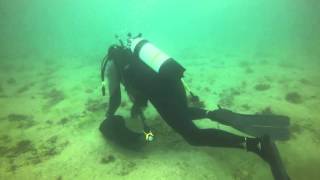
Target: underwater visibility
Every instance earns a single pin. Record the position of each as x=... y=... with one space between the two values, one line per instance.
x=164 y=90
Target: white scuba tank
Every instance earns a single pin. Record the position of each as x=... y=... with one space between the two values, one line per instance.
x=148 y=53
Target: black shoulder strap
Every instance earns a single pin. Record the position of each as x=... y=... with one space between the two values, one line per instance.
x=103 y=67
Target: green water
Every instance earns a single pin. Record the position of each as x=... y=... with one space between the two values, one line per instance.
x=50 y=97
x=77 y=28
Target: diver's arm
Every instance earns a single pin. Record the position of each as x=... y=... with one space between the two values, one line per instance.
x=114 y=89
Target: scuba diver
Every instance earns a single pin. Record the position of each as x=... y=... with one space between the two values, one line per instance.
x=150 y=75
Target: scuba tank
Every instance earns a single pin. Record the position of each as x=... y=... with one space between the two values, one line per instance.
x=148 y=53
x=156 y=59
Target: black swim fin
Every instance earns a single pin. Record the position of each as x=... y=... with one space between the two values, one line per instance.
x=275 y=126
x=272 y=156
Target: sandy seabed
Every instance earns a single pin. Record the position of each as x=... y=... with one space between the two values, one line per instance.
x=51 y=111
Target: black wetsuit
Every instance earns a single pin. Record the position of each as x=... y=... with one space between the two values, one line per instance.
x=168 y=96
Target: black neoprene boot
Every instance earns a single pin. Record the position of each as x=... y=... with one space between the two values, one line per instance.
x=256 y=145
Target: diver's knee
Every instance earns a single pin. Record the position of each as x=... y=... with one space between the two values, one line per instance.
x=192 y=139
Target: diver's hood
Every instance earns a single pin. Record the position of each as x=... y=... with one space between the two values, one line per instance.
x=115 y=51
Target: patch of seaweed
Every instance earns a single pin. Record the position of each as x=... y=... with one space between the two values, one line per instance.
x=11 y=81
x=314 y=131
x=226 y=101
x=242 y=174
x=53 y=97
x=206 y=89
x=294 y=98
x=95 y=105
x=23 y=121
x=13 y=167
x=25 y=88
x=64 y=121
x=266 y=111
x=296 y=129
x=246 y=107
x=244 y=84
x=262 y=87
x=109 y=159
x=248 y=70
x=4 y=151
x=1 y=89
x=19 y=117
x=33 y=155
x=5 y=139
x=305 y=81
x=244 y=64
x=51 y=148
x=26 y=124
x=51 y=151
x=227 y=97
x=7 y=67
x=84 y=124
x=22 y=147
x=52 y=140
x=126 y=168
x=49 y=122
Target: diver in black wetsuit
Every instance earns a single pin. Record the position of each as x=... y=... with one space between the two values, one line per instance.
x=162 y=85
x=148 y=74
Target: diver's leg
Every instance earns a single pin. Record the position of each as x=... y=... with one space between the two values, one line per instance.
x=197 y=113
x=170 y=101
x=176 y=116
